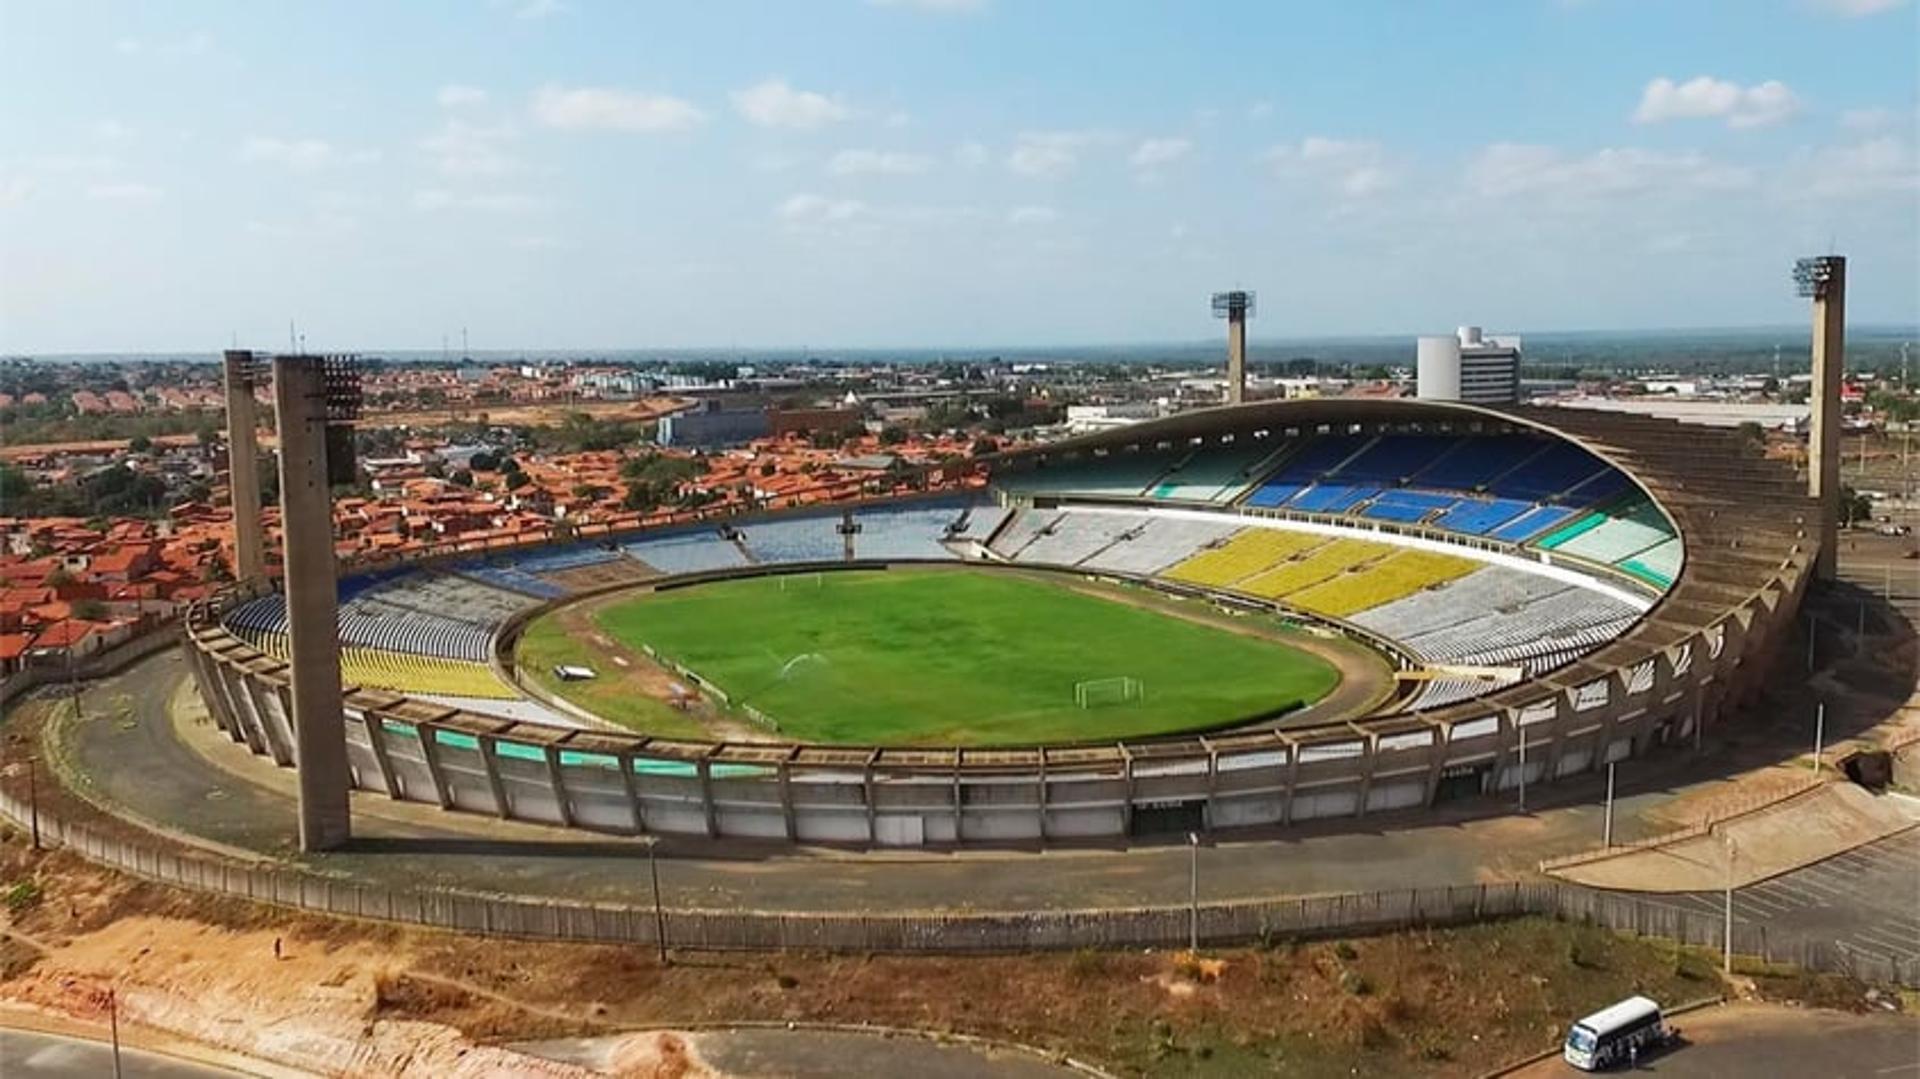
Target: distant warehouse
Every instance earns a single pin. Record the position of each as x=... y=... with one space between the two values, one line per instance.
x=709 y=426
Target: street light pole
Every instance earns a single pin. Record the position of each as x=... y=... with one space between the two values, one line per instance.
x=1193 y=893
x=1727 y=946
x=1607 y=840
x=659 y=914
x=113 y=1026
x=33 y=798
x=1819 y=736
x=1523 y=768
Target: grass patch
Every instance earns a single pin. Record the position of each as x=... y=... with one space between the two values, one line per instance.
x=544 y=645
x=948 y=657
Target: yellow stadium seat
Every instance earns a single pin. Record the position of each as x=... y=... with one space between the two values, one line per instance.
x=1320 y=564
x=1369 y=586
x=1250 y=551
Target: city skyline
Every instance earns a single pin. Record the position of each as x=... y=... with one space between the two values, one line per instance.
x=942 y=173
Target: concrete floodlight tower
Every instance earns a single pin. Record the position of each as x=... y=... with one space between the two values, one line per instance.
x=316 y=398
x=244 y=374
x=1236 y=307
x=1824 y=280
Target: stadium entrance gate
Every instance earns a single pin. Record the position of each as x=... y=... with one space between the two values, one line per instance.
x=1169 y=818
x=1462 y=781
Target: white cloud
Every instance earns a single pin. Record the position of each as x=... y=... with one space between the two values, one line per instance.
x=112 y=131
x=318 y=227
x=539 y=9
x=75 y=163
x=456 y=96
x=126 y=191
x=1366 y=180
x=1875 y=166
x=1033 y=215
x=463 y=149
x=1505 y=169
x=1705 y=98
x=1354 y=167
x=773 y=103
x=1866 y=119
x=878 y=162
x=14 y=190
x=813 y=213
x=302 y=155
x=970 y=155
x=197 y=43
x=934 y=7
x=819 y=210
x=1152 y=153
x=1854 y=9
x=898 y=118
x=502 y=202
x=590 y=108
x=1259 y=110
x=1050 y=154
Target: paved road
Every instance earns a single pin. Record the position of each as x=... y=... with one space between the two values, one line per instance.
x=1867 y=899
x=1747 y=1041
x=25 y=1055
x=135 y=758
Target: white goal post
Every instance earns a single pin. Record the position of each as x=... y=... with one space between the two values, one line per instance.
x=1099 y=692
x=801 y=580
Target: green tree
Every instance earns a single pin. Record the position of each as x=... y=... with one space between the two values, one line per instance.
x=1854 y=507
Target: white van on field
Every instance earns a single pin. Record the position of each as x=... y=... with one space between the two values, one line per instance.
x=1618 y=1033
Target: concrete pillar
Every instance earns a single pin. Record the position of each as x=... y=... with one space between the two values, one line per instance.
x=1236 y=357
x=1823 y=447
x=632 y=787
x=490 y=763
x=377 y=741
x=306 y=517
x=243 y=468
x=559 y=782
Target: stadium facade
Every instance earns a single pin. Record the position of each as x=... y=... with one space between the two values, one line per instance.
x=1559 y=589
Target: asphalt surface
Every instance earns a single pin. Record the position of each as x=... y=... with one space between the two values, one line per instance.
x=1748 y=1041
x=1867 y=899
x=132 y=756
x=25 y=1055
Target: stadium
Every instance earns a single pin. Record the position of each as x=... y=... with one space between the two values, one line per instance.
x=1244 y=616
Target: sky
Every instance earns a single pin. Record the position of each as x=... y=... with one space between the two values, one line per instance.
x=940 y=173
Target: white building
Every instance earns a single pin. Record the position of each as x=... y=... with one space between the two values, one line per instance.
x=1468 y=367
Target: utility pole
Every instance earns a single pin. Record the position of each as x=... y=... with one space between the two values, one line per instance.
x=1193 y=894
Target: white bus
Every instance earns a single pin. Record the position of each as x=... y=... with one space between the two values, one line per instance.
x=1615 y=1034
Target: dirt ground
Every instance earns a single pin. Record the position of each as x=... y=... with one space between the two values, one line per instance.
x=388 y=998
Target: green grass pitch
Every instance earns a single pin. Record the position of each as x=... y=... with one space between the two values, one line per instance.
x=959 y=657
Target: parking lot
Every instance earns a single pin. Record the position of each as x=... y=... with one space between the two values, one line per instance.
x=1867 y=899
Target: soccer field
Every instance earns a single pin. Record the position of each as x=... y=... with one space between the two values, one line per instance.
x=958 y=657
